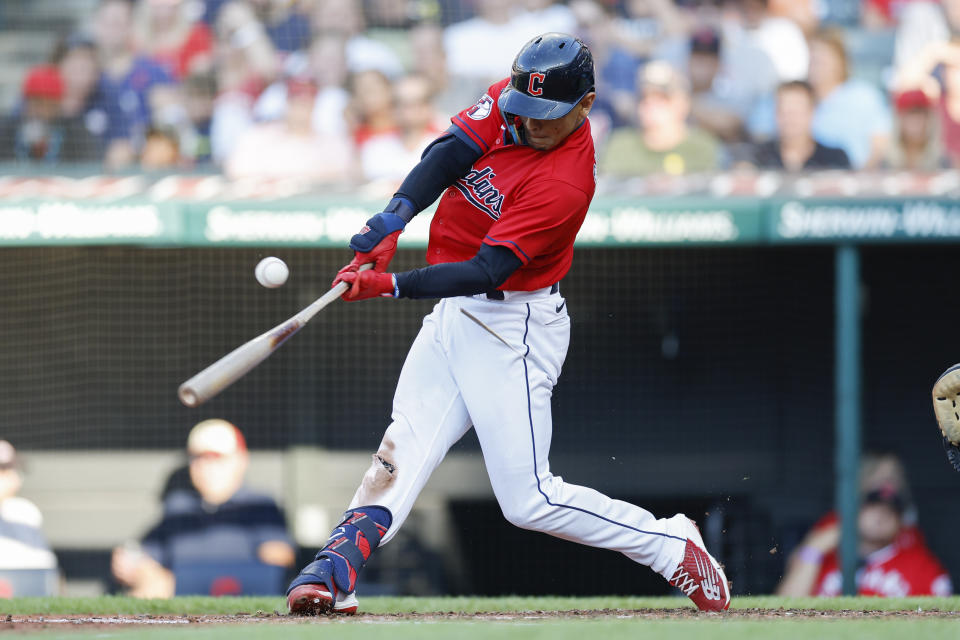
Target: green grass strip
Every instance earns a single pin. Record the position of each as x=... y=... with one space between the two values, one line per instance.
x=197 y=605
x=635 y=629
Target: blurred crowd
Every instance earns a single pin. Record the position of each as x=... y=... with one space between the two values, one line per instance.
x=349 y=91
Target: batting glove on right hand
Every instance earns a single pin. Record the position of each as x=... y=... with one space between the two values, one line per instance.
x=375 y=244
x=369 y=284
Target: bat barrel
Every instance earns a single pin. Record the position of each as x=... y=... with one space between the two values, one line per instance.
x=233 y=366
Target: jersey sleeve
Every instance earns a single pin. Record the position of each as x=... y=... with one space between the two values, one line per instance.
x=545 y=219
x=481 y=124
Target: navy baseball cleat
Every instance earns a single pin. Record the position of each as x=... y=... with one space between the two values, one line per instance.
x=316 y=600
x=699 y=576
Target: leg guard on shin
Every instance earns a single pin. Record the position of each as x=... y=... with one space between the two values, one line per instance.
x=347 y=550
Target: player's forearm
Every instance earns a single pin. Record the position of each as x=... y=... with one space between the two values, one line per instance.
x=276 y=552
x=153 y=580
x=799 y=579
x=443 y=163
x=484 y=272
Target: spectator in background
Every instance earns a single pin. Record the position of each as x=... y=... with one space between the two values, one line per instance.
x=371 y=111
x=646 y=30
x=950 y=104
x=746 y=80
x=919 y=24
x=664 y=143
x=802 y=13
x=168 y=33
x=39 y=132
x=480 y=48
x=346 y=18
x=211 y=10
x=22 y=543
x=895 y=559
x=851 y=114
x=795 y=148
x=291 y=148
x=779 y=38
x=245 y=62
x=182 y=121
x=550 y=15
x=161 y=150
x=199 y=94
x=244 y=56
x=216 y=538
x=916 y=143
x=713 y=106
x=390 y=157
x=127 y=81
x=879 y=14
x=390 y=15
x=80 y=71
x=936 y=71
x=651 y=29
x=429 y=59
x=325 y=63
x=287 y=22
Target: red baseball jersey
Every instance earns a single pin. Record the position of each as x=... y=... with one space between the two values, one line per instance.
x=893 y=571
x=907 y=567
x=532 y=202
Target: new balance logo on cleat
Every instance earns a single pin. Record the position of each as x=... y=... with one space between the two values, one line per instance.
x=700 y=577
x=709 y=584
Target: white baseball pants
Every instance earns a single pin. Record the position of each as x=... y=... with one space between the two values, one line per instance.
x=458 y=375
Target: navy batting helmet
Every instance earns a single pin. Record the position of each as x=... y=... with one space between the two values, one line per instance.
x=550 y=75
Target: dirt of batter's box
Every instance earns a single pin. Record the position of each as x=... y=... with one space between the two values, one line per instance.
x=38 y=622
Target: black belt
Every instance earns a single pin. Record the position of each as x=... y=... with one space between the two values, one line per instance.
x=498 y=295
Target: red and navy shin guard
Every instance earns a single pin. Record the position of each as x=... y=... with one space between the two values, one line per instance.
x=347 y=550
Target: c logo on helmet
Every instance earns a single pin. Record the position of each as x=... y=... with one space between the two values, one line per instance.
x=535 y=84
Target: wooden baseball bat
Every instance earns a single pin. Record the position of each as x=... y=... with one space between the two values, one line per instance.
x=233 y=366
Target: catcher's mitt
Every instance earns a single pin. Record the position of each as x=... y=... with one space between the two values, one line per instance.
x=946 y=396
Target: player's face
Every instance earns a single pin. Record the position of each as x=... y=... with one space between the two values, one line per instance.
x=544 y=135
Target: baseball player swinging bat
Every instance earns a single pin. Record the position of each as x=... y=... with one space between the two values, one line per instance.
x=513 y=177
x=233 y=366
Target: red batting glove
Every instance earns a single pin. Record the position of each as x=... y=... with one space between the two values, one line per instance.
x=367 y=284
x=380 y=256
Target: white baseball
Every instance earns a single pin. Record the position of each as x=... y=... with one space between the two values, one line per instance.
x=271 y=272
